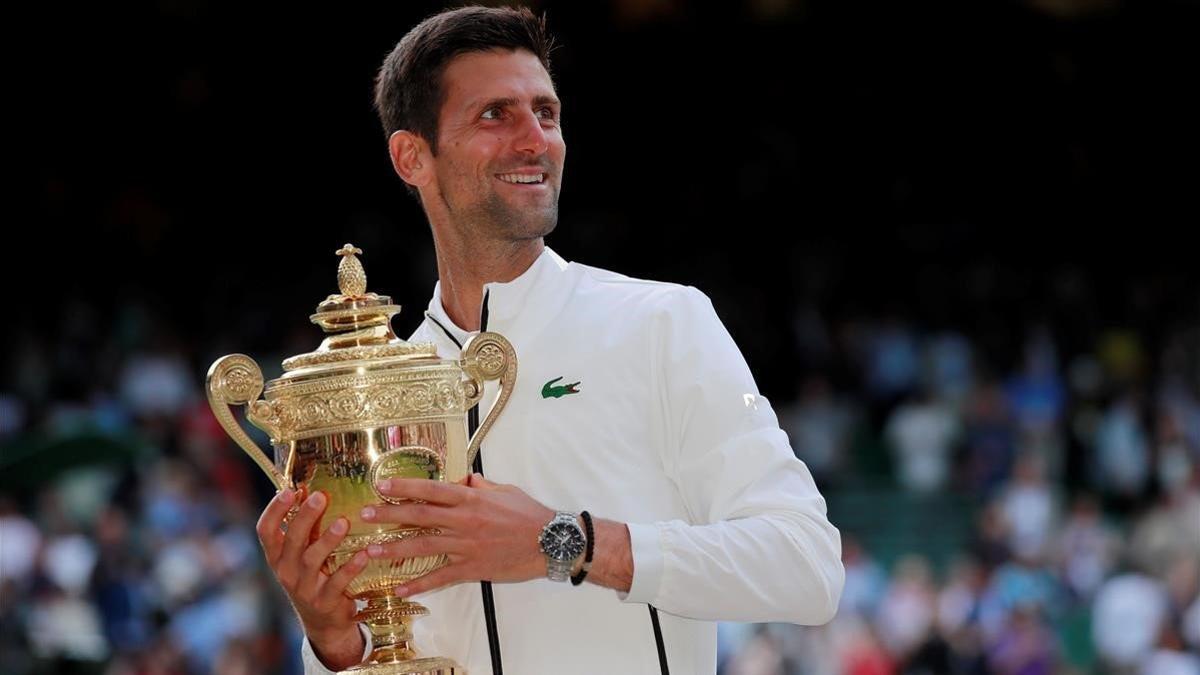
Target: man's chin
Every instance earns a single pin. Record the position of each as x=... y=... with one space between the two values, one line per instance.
x=531 y=229
x=531 y=222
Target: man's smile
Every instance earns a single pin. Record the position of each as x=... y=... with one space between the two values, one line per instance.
x=523 y=178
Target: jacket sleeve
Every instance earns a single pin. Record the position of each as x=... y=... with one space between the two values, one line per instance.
x=757 y=545
x=313 y=665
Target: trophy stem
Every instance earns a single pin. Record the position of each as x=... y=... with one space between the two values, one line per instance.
x=389 y=619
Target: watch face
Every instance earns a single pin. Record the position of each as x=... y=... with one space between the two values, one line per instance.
x=563 y=542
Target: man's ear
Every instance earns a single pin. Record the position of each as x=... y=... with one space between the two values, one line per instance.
x=411 y=158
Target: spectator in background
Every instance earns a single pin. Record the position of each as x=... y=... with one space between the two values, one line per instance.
x=1128 y=616
x=1086 y=548
x=819 y=427
x=1037 y=398
x=22 y=541
x=906 y=613
x=1025 y=646
x=1122 y=451
x=866 y=580
x=949 y=373
x=1169 y=529
x=921 y=434
x=958 y=615
x=892 y=361
x=1018 y=583
x=1029 y=509
x=989 y=437
x=1177 y=437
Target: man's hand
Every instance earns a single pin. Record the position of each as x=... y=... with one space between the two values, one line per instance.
x=326 y=612
x=489 y=531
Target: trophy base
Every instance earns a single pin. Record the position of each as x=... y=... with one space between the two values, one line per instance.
x=429 y=666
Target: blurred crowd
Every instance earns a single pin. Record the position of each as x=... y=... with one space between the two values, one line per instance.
x=126 y=515
x=1084 y=481
x=127 y=541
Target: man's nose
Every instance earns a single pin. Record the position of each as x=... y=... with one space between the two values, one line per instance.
x=531 y=136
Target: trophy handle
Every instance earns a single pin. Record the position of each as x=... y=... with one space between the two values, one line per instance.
x=237 y=380
x=487 y=356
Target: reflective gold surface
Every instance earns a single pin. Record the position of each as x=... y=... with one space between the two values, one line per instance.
x=363 y=407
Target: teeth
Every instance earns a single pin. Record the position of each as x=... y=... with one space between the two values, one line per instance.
x=522 y=178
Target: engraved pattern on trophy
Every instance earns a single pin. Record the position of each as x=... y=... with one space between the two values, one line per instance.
x=336 y=404
x=491 y=360
x=356 y=354
x=238 y=380
x=352 y=278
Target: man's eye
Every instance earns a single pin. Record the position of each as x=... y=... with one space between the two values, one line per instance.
x=546 y=113
x=492 y=113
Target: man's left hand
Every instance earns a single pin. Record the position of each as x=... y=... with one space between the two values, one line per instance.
x=488 y=531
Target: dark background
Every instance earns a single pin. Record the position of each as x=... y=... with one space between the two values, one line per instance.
x=952 y=161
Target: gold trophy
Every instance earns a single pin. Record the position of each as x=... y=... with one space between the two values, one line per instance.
x=363 y=407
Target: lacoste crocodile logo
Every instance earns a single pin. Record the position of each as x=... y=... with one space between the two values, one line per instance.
x=550 y=390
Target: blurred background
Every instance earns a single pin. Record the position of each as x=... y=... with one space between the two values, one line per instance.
x=954 y=240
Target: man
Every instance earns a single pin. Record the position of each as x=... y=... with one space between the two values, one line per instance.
x=632 y=403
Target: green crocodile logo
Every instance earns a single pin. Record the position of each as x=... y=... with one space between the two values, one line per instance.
x=550 y=390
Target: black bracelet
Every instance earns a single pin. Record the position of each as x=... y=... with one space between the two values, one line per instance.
x=587 y=558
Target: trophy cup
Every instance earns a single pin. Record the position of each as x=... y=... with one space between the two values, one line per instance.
x=363 y=407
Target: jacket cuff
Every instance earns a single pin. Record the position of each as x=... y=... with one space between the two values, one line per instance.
x=313 y=665
x=646 y=544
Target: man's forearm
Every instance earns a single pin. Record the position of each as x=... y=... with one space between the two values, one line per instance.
x=612 y=556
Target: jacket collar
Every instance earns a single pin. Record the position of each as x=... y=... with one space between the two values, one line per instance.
x=518 y=309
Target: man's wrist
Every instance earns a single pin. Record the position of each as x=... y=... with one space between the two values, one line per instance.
x=339 y=648
x=612 y=559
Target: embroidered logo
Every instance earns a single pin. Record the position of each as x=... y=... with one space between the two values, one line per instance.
x=551 y=390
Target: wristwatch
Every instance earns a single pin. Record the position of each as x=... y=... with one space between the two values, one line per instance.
x=562 y=543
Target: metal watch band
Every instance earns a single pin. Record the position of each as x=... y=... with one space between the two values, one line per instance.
x=557 y=570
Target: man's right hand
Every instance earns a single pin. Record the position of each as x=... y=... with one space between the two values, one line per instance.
x=326 y=612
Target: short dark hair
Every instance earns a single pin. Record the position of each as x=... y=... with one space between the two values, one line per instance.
x=408 y=89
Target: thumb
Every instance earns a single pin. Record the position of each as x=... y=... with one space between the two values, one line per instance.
x=476 y=480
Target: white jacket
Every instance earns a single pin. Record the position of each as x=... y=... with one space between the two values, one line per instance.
x=667 y=433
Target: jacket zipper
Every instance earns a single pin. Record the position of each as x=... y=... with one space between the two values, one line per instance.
x=485 y=587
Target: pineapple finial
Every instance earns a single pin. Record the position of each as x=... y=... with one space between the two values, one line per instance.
x=352 y=279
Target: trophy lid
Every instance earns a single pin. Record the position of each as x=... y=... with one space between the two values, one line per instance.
x=359 y=323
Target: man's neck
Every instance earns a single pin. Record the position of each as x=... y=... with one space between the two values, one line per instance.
x=464 y=267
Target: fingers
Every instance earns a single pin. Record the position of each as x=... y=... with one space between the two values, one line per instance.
x=270 y=534
x=298 y=535
x=414 y=547
x=337 y=582
x=315 y=555
x=416 y=515
x=435 y=492
x=443 y=576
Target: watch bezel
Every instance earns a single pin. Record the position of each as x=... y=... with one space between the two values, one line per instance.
x=569 y=551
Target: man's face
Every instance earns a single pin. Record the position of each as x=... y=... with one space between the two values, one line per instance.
x=500 y=149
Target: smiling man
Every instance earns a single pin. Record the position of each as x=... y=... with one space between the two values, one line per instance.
x=636 y=457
